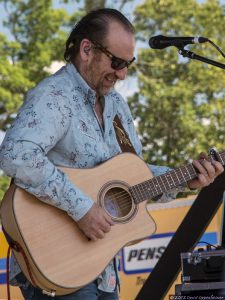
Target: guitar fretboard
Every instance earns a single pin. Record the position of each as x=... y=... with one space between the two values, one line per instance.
x=168 y=181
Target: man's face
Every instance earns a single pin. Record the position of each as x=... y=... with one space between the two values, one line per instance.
x=99 y=73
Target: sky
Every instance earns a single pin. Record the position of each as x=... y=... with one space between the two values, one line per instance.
x=70 y=7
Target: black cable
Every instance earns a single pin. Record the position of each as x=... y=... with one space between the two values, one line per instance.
x=217 y=48
x=211 y=245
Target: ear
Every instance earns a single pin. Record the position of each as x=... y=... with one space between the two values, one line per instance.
x=85 y=49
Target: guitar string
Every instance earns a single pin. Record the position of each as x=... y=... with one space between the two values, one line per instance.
x=176 y=182
x=155 y=186
x=125 y=205
x=124 y=195
x=167 y=187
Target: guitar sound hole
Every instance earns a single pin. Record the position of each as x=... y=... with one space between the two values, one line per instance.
x=118 y=202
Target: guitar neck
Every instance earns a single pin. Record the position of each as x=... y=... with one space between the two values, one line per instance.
x=168 y=181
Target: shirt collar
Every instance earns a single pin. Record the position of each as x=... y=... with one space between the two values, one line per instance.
x=81 y=84
x=88 y=92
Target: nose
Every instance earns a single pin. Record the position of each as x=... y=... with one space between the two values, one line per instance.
x=121 y=74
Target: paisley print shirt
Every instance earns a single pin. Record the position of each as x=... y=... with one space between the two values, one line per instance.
x=57 y=126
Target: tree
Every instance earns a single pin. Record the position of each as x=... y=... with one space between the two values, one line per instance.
x=37 y=40
x=180 y=106
x=14 y=80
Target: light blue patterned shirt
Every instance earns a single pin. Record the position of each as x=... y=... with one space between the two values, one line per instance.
x=57 y=126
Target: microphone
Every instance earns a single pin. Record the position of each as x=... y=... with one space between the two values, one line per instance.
x=161 y=41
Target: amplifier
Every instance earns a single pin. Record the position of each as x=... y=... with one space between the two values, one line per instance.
x=203 y=266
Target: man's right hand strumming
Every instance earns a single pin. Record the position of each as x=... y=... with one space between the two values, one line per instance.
x=96 y=223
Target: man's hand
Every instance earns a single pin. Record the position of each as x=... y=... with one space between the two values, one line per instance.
x=207 y=172
x=95 y=223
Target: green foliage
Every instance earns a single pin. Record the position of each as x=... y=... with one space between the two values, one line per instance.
x=180 y=107
x=4 y=184
x=38 y=31
x=90 y=4
x=14 y=80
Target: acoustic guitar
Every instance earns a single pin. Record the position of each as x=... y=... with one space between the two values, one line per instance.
x=61 y=258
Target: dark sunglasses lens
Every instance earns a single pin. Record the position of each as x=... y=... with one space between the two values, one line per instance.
x=118 y=64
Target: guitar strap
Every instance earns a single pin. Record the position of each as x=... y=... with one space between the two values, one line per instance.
x=122 y=137
x=126 y=146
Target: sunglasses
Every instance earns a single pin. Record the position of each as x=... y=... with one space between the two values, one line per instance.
x=117 y=63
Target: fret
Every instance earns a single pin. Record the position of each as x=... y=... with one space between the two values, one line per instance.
x=154 y=189
x=177 y=176
x=148 y=190
x=194 y=172
x=174 y=178
x=169 y=177
x=137 y=193
x=158 y=188
x=181 y=175
x=142 y=190
x=178 y=179
x=164 y=182
x=167 y=180
x=222 y=158
x=185 y=173
x=189 y=174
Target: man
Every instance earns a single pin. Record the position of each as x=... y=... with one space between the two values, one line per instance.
x=67 y=120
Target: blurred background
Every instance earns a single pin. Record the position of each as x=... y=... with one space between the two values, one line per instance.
x=177 y=103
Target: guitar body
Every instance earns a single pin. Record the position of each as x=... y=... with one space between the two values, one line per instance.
x=60 y=256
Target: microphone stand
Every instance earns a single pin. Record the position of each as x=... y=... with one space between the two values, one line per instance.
x=192 y=55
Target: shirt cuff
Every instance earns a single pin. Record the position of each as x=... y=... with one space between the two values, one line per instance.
x=87 y=204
